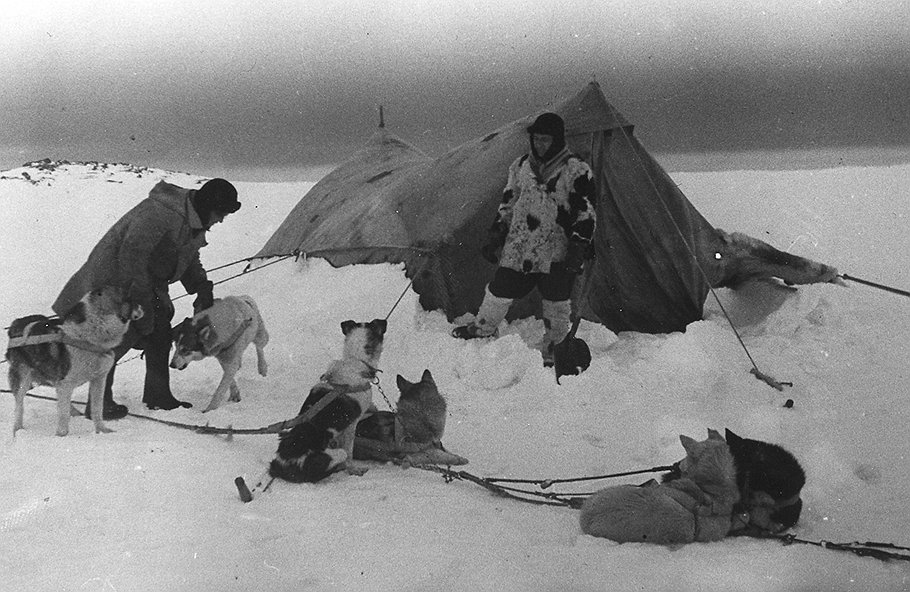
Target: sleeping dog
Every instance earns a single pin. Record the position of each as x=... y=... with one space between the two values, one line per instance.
x=223 y=331
x=770 y=481
x=66 y=353
x=324 y=443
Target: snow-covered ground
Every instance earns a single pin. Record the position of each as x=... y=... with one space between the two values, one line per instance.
x=153 y=507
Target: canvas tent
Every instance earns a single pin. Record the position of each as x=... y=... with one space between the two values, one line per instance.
x=656 y=255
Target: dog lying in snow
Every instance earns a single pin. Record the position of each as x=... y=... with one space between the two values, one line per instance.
x=412 y=436
x=223 y=331
x=770 y=480
x=66 y=353
x=312 y=450
x=421 y=410
x=695 y=506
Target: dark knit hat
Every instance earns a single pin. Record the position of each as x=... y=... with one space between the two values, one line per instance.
x=550 y=124
x=216 y=195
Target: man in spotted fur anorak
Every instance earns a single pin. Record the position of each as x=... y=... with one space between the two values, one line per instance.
x=544 y=227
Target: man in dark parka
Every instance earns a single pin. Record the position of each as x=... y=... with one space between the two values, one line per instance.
x=153 y=245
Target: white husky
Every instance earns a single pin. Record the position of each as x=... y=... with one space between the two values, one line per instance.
x=223 y=331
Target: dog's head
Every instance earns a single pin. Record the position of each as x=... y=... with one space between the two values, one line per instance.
x=418 y=391
x=421 y=409
x=192 y=338
x=708 y=461
x=771 y=480
x=768 y=467
x=107 y=303
x=363 y=341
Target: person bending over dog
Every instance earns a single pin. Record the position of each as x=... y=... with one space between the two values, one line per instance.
x=153 y=245
x=544 y=226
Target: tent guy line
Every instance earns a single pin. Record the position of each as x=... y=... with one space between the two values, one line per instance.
x=875 y=285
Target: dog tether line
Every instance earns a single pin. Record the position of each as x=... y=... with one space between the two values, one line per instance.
x=274 y=428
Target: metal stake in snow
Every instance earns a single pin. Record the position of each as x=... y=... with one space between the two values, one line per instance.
x=246 y=495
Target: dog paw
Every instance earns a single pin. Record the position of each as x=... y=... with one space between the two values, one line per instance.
x=356 y=470
x=61 y=432
x=103 y=430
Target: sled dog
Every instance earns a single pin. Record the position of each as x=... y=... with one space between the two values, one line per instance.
x=770 y=480
x=695 y=506
x=421 y=410
x=223 y=332
x=67 y=352
x=312 y=450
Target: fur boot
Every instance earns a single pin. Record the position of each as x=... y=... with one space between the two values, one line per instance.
x=492 y=312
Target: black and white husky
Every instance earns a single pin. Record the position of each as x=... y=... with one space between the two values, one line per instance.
x=67 y=352
x=770 y=481
x=324 y=443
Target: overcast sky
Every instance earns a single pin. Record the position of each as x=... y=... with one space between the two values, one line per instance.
x=184 y=84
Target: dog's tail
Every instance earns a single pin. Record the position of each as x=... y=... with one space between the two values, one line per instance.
x=261 y=338
x=262 y=335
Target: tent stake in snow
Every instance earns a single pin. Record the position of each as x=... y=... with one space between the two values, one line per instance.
x=246 y=494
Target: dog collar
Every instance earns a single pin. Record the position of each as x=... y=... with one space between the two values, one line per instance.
x=349 y=388
x=372 y=371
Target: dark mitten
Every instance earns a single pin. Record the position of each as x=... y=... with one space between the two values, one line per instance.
x=204 y=297
x=491 y=252
x=146 y=324
x=575 y=256
x=496 y=238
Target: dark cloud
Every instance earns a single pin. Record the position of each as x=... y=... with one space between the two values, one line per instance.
x=279 y=85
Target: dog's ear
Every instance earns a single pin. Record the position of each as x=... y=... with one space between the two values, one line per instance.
x=178 y=328
x=402 y=383
x=379 y=325
x=207 y=335
x=688 y=443
x=733 y=438
x=427 y=376
x=76 y=314
x=348 y=326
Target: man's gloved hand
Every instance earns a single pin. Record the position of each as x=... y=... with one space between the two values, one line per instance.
x=491 y=252
x=496 y=238
x=575 y=256
x=204 y=297
x=146 y=324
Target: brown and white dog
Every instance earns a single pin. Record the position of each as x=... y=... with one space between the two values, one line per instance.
x=66 y=353
x=324 y=444
x=223 y=331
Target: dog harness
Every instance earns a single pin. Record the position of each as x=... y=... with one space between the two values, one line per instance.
x=57 y=336
x=216 y=349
